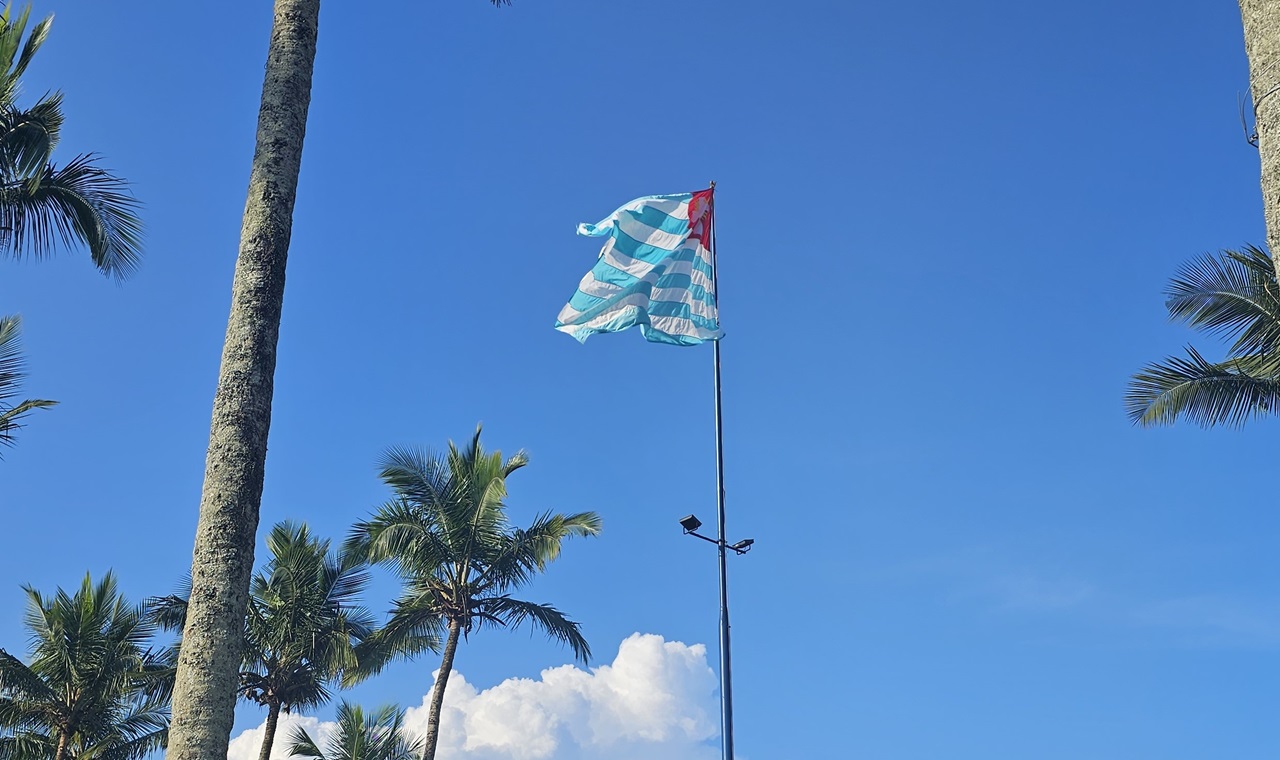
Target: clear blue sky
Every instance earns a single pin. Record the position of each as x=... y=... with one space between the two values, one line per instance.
x=944 y=234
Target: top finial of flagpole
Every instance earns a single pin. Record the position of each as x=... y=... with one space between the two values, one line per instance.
x=713 y=184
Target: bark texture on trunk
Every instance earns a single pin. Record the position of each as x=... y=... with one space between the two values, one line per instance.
x=437 y=694
x=205 y=692
x=61 y=751
x=273 y=720
x=1262 y=45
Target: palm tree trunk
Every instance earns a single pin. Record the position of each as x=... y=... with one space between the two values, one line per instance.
x=273 y=719
x=437 y=694
x=61 y=752
x=205 y=692
x=1262 y=45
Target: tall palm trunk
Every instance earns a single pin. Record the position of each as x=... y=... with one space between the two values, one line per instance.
x=61 y=751
x=437 y=694
x=1262 y=45
x=205 y=693
x=273 y=720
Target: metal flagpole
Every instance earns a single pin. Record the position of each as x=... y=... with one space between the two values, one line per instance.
x=726 y=689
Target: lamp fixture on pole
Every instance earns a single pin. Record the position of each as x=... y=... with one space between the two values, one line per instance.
x=691 y=523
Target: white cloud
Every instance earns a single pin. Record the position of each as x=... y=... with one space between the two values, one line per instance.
x=248 y=744
x=657 y=699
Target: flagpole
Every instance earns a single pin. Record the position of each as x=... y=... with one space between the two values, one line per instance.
x=726 y=670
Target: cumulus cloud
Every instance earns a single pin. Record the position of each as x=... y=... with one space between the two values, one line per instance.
x=248 y=744
x=656 y=699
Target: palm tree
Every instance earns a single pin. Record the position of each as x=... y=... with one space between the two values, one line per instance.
x=447 y=535
x=379 y=736
x=303 y=626
x=1234 y=294
x=1261 y=21
x=11 y=373
x=92 y=689
x=222 y=560
x=43 y=205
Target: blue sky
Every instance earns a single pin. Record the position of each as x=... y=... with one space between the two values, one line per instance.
x=944 y=234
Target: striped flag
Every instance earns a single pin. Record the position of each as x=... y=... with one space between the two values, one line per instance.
x=654 y=271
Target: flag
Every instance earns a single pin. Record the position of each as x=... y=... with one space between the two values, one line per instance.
x=655 y=271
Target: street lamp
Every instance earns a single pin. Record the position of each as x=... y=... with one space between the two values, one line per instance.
x=690 y=525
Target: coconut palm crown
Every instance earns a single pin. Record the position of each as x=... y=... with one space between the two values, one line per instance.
x=93 y=687
x=1231 y=294
x=303 y=628
x=44 y=206
x=380 y=735
x=447 y=534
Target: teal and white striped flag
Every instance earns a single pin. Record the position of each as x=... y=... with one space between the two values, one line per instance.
x=654 y=271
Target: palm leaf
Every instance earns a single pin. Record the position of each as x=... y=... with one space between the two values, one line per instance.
x=19 y=681
x=1233 y=294
x=12 y=371
x=416 y=475
x=15 y=55
x=400 y=535
x=170 y=612
x=416 y=626
x=302 y=745
x=13 y=64
x=78 y=204
x=552 y=622
x=28 y=137
x=1207 y=393
x=27 y=746
x=528 y=551
x=11 y=418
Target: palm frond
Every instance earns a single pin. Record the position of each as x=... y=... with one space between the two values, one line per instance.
x=18 y=680
x=514 y=462
x=170 y=612
x=416 y=475
x=1233 y=294
x=1206 y=393
x=302 y=745
x=27 y=745
x=39 y=33
x=401 y=535
x=137 y=748
x=526 y=552
x=12 y=371
x=157 y=674
x=16 y=55
x=143 y=730
x=11 y=31
x=28 y=137
x=11 y=418
x=552 y=622
x=78 y=204
x=416 y=626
